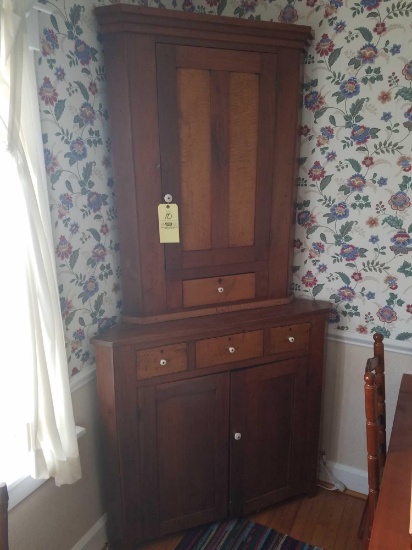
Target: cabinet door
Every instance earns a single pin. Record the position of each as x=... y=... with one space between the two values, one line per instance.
x=184 y=453
x=216 y=119
x=268 y=411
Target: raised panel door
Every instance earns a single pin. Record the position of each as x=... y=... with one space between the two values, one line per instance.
x=184 y=452
x=267 y=434
x=215 y=110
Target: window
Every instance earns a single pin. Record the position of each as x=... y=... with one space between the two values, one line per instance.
x=36 y=426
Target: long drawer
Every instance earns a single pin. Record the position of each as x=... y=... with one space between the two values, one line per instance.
x=228 y=349
x=217 y=290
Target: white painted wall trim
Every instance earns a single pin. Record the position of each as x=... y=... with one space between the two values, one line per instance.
x=82 y=378
x=95 y=538
x=353 y=478
x=23 y=487
x=397 y=346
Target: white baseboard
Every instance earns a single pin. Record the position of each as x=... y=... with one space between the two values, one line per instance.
x=95 y=538
x=353 y=478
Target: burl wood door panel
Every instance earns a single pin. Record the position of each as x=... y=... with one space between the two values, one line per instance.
x=268 y=410
x=214 y=112
x=183 y=433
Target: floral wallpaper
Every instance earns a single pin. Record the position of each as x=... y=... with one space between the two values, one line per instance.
x=76 y=141
x=353 y=221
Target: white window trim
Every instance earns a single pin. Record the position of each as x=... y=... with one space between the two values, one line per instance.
x=22 y=488
x=33 y=25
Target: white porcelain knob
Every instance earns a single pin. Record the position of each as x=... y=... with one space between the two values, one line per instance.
x=238 y=436
x=220 y=289
x=291 y=339
x=232 y=349
x=163 y=362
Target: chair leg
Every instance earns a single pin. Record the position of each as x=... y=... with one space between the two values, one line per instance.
x=363 y=532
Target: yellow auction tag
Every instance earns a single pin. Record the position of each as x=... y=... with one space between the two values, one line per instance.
x=168 y=223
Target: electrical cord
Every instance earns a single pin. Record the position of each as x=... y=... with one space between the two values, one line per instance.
x=337 y=485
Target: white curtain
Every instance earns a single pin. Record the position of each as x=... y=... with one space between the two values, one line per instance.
x=51 y=428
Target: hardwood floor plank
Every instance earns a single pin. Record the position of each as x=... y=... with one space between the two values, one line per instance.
x=306 y=519
x=347 y=536
x=284 y=515
x=329 y=520
x=330 y=517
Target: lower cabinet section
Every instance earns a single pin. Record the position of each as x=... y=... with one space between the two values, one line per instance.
x=219 y=444
x=208 y=418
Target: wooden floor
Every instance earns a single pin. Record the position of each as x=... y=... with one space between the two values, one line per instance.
x=330 y=520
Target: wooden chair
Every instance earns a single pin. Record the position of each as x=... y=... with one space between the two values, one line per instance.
x=4 y=506
x=375 y=432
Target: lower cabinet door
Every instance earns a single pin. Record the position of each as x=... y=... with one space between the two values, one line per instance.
x=184 y=453
x=267 y=431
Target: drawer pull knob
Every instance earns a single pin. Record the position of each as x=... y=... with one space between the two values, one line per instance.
x=220 y=289
x=291 y=339
x=163 y=362
x=238 y=436
x=232 y=349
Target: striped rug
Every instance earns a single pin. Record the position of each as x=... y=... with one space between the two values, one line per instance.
x=239 y=534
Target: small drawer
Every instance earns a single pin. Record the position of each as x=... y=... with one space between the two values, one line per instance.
x=217 y=290
x=228 y=349
x=290 y=338
x=159 y=361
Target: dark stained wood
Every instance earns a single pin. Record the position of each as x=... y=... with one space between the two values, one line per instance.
x=146 y=185
x=168 y=129
x=184 y=425
x=205 y=28
x=144 y=336
x=119 y=414
x=221 y=60
x=220 y=139
x=275 y=382
x=391 y=524
x=315 y=378
x=265 y=158
x=122 y=150
x=210 y=113
x=288 y=99
x=268 y=407
x=210 y=121
x=193 y=313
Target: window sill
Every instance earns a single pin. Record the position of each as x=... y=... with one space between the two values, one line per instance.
x=22 y=488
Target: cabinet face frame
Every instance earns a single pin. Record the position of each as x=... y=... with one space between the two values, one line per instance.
x=133 y=34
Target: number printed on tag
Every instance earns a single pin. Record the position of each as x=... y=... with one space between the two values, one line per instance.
x=168 y=223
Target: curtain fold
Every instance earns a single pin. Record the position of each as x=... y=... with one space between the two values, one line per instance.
x=51 y=427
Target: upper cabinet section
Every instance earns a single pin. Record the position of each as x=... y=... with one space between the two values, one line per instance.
x=204 y=113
